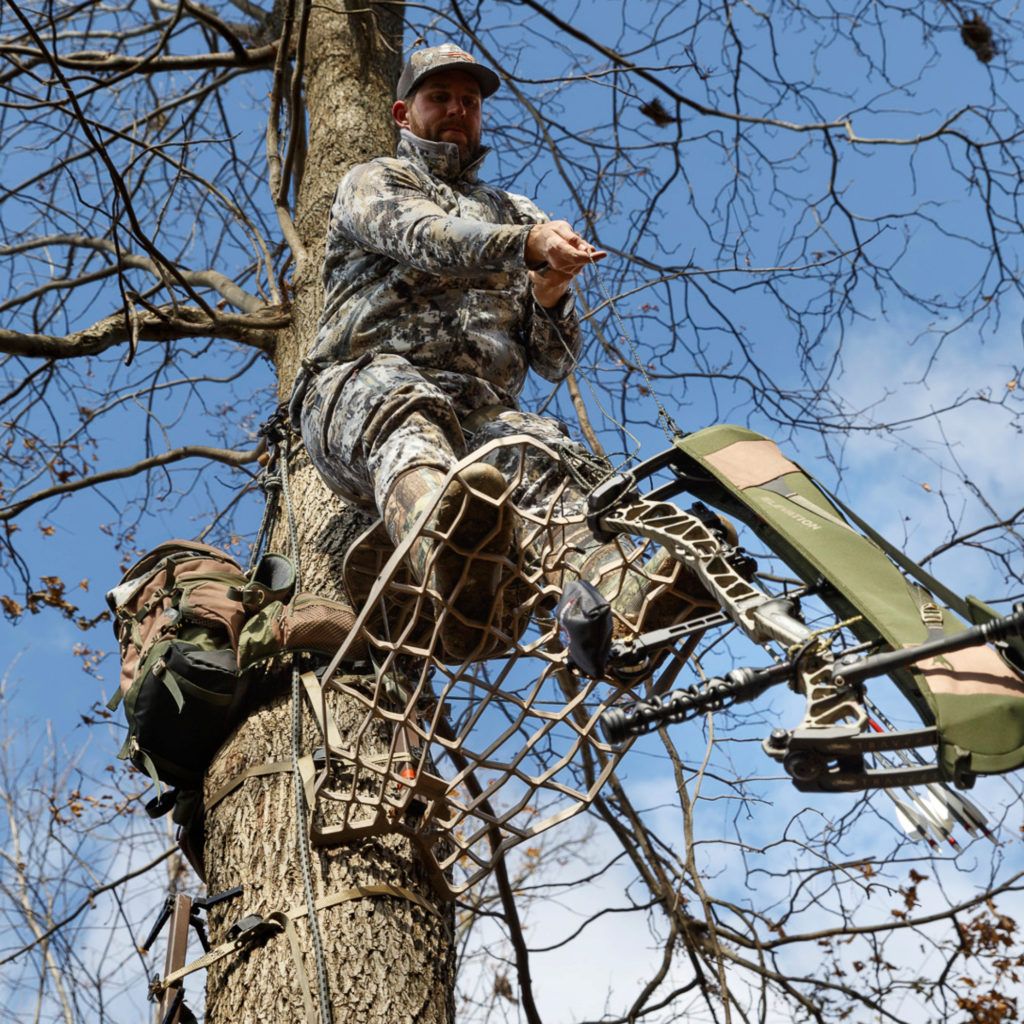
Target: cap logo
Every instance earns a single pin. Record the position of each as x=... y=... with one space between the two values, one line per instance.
x=454 y=54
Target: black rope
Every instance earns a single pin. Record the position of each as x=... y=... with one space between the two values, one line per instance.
x=271 y=486
x=301 y=834
x=272 y=432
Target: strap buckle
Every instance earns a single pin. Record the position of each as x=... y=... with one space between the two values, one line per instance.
x=252 y=927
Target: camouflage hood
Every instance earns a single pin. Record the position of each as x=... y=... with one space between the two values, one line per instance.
x=425 y=261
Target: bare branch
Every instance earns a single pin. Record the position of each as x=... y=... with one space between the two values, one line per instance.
x=88 y=902
x=100 y=62
x=222 y=455
x=219 y=282
x=168 y=323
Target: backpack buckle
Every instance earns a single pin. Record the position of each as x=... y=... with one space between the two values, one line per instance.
x=162 y=804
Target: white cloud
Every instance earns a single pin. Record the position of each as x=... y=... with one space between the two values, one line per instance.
x=974 y=439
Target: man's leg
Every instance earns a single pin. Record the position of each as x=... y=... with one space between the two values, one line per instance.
x=358 y=428
x=645 y=593
x=379 y=432
x=462 y=549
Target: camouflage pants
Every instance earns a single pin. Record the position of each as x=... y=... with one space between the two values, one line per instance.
x=365 y=423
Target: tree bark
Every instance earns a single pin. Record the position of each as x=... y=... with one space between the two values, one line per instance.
x=389 y=961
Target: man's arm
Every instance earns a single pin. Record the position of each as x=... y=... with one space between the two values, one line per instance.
x=381 y=207
x=553 y=339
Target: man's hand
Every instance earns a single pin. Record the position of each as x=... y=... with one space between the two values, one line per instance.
x=563 y=253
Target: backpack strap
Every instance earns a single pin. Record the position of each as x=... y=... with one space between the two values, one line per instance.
x=318 y=705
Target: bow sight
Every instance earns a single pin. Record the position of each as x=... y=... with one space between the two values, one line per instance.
x=904 y=624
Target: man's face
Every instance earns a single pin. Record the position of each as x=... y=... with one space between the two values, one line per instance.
x=445 y=108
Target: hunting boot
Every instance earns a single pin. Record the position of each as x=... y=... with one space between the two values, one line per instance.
x=462 y=550
x=645 y=595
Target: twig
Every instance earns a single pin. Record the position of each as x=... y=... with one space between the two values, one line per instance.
x=87 y=902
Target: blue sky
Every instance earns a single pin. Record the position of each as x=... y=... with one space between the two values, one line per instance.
x=914 y=482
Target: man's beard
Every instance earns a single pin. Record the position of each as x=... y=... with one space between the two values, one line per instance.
x=467 y=149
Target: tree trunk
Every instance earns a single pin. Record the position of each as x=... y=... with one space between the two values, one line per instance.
x=388 y=960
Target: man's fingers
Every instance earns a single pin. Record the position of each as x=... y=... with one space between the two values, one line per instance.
x=579 y=243
x=561 y=247
x=568 y=257
x=548 y=276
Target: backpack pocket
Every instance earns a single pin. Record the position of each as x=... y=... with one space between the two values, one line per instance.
x=182 y=708
x=208 y=600
x=308 y=624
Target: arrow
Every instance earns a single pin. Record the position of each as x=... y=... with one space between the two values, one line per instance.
x=962 y=809
x=936 y=814
x=910 y=821
x=940 y=803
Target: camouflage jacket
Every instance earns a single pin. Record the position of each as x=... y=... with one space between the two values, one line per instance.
x=425 y=261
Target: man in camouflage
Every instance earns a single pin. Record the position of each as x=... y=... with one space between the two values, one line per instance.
x=440 y=292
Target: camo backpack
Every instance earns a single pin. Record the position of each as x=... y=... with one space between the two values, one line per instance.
x=192 y=627
x=178 y=617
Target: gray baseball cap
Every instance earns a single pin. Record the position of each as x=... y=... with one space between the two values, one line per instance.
x=445 y=57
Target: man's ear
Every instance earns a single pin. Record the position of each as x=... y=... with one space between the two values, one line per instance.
x=400 y=112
